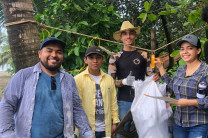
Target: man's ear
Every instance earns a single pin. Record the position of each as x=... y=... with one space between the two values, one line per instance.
x=85 y=59
x=39 y=53
x=199 y=50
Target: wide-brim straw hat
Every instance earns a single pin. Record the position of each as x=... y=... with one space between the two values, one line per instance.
x=126 y=25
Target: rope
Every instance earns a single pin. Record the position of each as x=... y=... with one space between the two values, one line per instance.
x=107 y=51
x=180 y=38
x=92 y=37
x=19 y=22
x=152 y=51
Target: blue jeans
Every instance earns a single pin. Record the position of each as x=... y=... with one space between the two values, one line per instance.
x=100 y=134
x=200 y=131
x=123 y=108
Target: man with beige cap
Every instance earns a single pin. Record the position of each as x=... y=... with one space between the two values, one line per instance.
x=126 y=66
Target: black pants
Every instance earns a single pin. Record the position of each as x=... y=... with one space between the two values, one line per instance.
x=100 y=134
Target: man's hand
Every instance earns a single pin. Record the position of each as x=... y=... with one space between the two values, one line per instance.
x=129 y=79
x=118 y=83
x=93 y=137
x=156 y=77
x=113 y=130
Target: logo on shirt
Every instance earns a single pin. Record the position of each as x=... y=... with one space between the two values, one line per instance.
x=136 y=61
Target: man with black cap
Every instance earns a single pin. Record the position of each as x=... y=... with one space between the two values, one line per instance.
x=98 y=94
x=42 y=101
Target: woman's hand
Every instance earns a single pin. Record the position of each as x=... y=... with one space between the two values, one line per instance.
x=159 y=65
x=186 y=102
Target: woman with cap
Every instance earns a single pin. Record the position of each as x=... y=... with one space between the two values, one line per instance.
x=191 y=114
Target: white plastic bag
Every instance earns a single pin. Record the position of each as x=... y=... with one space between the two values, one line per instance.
x=150 y=115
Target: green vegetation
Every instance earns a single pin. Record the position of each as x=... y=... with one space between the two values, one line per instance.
x=101 y=19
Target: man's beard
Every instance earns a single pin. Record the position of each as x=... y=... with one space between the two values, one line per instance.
x=53 y=68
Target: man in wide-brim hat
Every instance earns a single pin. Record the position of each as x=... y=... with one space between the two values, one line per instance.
x=126 y=66
x=126 y=26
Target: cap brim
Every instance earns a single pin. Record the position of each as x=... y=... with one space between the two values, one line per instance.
x=93 y=53
x=117 y=34
x=181 y=41
x=54 y=41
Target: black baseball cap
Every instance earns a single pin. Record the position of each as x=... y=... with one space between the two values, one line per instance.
x=93 y=50
x=52 y=40
x=192 y=39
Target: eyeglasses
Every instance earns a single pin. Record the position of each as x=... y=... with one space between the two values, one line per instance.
x=53 y=83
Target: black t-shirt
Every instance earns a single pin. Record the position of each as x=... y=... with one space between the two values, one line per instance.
x=130 y=61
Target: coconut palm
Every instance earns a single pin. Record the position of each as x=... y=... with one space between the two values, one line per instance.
x=5 y=52
x=23 y=38
x=5 y=55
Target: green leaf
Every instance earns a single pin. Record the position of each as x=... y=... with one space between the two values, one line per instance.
x=106 y=25
x=52 y=32
x=79 y=61
x=95 y=24
x=67 y=27
x=168 y=7
x=174 y=11
x=83 y=40
x=186 y=23
x=163 y=13
x=175 y=53
x=53 y=4
x=83 y=23
x=42 y=17
x=74 y=29
x=37 y=17
x=77 y=7
x=64 y=5
x=152 y=17
x=192 y=18
x=70 y=52
x=145 y=17
x=76 y=51
x=146 y=6
x=110 y=8
x=150 y=4
x=58 y=34
x=55 y=9
x=182 y=62
x=194 y=15
x=142 y=15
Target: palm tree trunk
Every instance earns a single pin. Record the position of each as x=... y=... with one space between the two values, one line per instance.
x=23 y=38
x=168 y=36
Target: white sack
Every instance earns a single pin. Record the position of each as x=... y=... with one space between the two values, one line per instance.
x=150 y=115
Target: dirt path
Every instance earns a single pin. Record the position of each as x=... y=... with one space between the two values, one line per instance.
x=4 y=80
